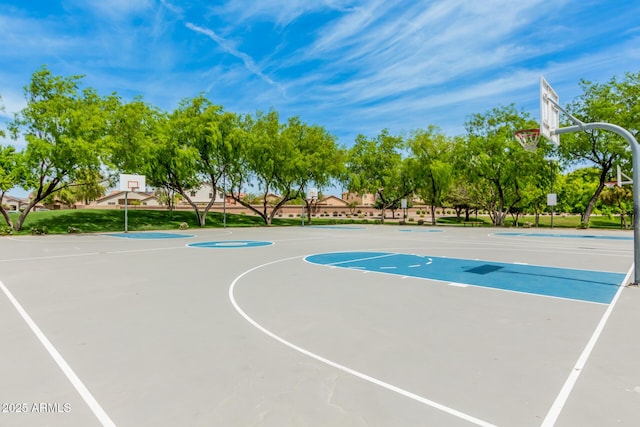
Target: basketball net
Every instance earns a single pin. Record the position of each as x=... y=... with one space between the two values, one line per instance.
x=528 y=138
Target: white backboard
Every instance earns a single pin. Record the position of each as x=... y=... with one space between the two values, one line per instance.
x=549 y=112
x=129 y=182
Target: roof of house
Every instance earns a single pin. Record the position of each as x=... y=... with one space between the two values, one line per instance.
x=333 y=201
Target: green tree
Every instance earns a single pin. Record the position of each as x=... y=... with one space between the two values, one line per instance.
x=320 y=159
x=282 y=159
x=576 y=189
x=460 y=194
x=433 y=166
x=132 y=129
x=613 y=102
x=543 y=180
x=8 y=162
x=498 y=166
x=376 y=166
x=192 y=149
x=621 y=199
x=64 y=128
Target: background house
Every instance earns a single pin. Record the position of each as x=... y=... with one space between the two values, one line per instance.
x=12 y=203
x=203 y=195
x=367 y=199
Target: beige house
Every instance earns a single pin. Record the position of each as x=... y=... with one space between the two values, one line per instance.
x=12 y=203
x=203 y=195
x=367 y=199
x=332 y=201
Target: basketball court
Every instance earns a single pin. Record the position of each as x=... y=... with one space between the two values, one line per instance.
x=317 y=326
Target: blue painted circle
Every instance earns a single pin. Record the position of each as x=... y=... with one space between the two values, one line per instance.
x=150 y=235
x=224 y=244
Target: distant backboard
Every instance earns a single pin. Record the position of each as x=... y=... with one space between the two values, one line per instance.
x=549 y=111
x=129 y=182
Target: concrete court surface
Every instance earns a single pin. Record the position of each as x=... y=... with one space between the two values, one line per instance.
x=101 y=330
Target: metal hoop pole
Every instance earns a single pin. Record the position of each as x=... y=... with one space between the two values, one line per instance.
x=635 y=151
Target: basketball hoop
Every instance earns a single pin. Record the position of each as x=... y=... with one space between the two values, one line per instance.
x=528 y=138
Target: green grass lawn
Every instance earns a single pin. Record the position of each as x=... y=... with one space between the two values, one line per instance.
x=544 y=221
x=112 y=220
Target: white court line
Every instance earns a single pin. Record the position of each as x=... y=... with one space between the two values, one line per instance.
x=563 y=396
x=340 y=367
x=127 y=251
x=49 y=257
x=362 y=259
x=459 y=285
x=64 y=366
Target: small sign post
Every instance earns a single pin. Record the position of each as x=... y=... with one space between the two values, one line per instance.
x=552 y=200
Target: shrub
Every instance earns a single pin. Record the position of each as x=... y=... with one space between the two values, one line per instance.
x=411 y=219
x=184 y=226
x=73 y=230
x=420 y=221
x=6 y=231
x=38 y=231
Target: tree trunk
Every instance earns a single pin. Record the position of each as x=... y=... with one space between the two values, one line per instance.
x=433 y=214
x=586 y=217
x=199 y=217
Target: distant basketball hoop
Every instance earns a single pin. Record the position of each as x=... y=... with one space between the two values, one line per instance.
x=528 y=138
x=130 y=183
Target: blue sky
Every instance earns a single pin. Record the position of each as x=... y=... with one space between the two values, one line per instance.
x=350 y=66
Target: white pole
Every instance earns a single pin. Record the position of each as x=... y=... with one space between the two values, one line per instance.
x=126 y=219
x=224 y=201
x=635 y=150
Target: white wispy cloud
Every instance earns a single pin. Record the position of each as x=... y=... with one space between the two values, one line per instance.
x=228 y=47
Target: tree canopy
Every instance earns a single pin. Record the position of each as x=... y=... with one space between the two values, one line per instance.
x=78 y=141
